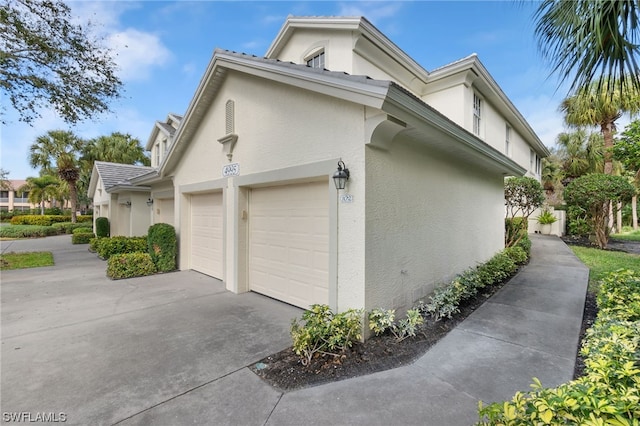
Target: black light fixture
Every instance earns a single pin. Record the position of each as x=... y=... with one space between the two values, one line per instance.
x=128 y=203
x=341 y=176
x=150 y=202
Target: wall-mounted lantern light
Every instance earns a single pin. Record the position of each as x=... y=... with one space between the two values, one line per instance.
x=341 y=176
x=150 y=202
x=128 y=204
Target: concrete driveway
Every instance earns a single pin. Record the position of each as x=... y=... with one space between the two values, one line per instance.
x=107 y=352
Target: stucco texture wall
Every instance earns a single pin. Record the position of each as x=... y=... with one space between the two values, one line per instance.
x=428 y=217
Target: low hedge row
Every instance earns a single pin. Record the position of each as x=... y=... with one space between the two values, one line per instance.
x=46 y=220
x=107 y=247
x=129 y=265
x=27 y=231
x=446 y=300
x=68 y=227
x=82 y=237
x=609 y=391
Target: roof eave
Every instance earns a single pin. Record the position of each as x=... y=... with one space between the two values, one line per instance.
x=417 y=113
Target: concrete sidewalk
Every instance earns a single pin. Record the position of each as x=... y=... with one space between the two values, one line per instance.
x=529 y=328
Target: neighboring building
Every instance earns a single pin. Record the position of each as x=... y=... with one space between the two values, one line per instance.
x=14 y=199
x=247 y=174
x=114 y=197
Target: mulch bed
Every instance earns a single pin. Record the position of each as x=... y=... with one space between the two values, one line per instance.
x=284 y=370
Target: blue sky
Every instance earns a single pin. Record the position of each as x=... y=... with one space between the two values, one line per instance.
x=163 y=49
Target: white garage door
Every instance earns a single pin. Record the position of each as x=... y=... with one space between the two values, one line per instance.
x=206 y=234
x=289 y=243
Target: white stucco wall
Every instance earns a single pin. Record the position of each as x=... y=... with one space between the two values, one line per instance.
x=284 y=134
x=427 y=219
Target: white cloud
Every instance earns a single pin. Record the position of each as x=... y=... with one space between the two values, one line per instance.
x=137 y=53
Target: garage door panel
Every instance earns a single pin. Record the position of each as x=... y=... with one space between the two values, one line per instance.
x=206 y=234
x=288 y=248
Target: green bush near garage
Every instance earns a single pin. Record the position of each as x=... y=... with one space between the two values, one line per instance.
x=102 y=227
x=107 y=247
x=82 y=230
x=129 y=265
x=82 y=237
x=163 y=246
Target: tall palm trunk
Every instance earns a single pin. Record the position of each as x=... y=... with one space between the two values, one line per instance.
x=634 y=212
x=607 y=132
x=73 y=194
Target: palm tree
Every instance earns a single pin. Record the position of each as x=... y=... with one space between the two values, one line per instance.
x=116 y=148
x=591 y=41
x=57 y=151
x=579 y=153
x=596 y=105
x=41 y=189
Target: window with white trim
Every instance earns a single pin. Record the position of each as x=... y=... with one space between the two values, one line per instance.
x=535 y=162
x=507 y=140
x=316 y=61
x=157 y=155
x=477 y=114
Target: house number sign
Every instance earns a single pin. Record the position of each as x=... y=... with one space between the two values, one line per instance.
x=232 y=169
x=346 y=198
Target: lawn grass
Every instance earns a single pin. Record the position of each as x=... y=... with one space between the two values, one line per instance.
x=627 y=236
x=601 y=262
x=34 y=259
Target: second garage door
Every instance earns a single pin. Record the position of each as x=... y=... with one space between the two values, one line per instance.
x=289 y=243
x=206 y=234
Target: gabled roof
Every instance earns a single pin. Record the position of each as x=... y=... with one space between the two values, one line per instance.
x=115 y=176
x=492 y=91
x=165 y=128
x=381 y=94
x=354 y=24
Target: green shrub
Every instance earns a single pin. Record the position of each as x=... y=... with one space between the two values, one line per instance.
x=163 y=246
x=102 y=227
x=444 y=301
x=325 y=332
x=107 y=247
x=93 y=244
x=41 y=220
x=129 y=265
x=525 y=244
x=578 y=222
x=26 y=231
x=82 y=230
x=68 y=227
x=83 y=218
x=55 y=211
x=82 y=237
x=381 y=320
x=609 y=391
x=517 y=254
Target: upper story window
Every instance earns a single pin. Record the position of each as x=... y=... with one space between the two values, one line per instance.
x=477 y=114
x=4 y=194
x=157 y=155
x=317 y=60
x=507 y=140
x=535 y=162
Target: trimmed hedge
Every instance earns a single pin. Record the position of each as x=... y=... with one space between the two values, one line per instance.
x=102 y=227
x=445 y=301
x=82 y=230
x=46 y=220
x=163 y=246
x=26 y=231
x=82 y=237
x=107 y=247
x=67 y=227
x=129 y=265
x=609 y=391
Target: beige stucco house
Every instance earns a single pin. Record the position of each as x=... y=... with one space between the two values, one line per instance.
x=249 y=168
x=117 y=199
